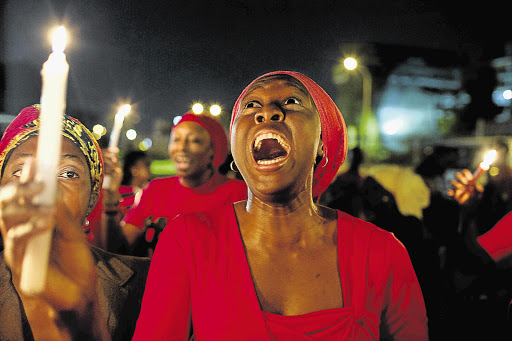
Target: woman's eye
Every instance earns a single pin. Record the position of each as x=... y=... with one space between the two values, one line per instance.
x=252 y=104
x=68 y=175
x=17 y=173
x=292 y=100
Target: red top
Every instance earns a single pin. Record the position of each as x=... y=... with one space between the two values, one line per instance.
x=497 y=242
x=200 y=270
x=166 y=197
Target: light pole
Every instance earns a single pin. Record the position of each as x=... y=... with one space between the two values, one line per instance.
x=368 y=130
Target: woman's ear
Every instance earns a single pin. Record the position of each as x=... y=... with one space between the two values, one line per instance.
x=92 y=202
x=320 y=150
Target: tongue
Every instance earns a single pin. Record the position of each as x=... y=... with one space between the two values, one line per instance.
x=270 y=149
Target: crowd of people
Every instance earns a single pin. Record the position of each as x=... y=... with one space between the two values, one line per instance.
x=289 y=248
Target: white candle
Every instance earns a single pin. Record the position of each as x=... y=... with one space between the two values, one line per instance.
x=118 y=124
x=53 y=103
x=114 y=136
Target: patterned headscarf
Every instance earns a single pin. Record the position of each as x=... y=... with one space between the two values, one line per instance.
x=26 y=125
x=334 y=132
x=217 y=135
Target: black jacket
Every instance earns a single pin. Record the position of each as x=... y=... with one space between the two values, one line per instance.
x=121 y=282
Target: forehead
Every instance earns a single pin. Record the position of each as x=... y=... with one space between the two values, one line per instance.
x=277 y=80
x=29 y=148
x=190 y=127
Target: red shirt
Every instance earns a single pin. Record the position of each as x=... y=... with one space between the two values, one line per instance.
x=200 y=271
x=167 y=197
x=497 y=242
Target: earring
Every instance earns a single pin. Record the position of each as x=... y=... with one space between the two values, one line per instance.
x=232 y=165
x=85 y=226
x=323 y=162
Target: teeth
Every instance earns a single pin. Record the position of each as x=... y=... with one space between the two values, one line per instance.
x=260 y=138
x=269 y=162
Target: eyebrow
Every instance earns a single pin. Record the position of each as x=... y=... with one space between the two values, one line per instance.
x=289 y=83
x=73 y=157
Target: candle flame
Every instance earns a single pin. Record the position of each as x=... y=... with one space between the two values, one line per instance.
x=59 y=39
x=123 y=111
x=489 y=158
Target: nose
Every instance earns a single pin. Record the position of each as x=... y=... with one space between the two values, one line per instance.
x=269 y=113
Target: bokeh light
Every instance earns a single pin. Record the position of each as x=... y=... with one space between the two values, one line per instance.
x=197 y=108
x=131 y=134
x=215 y=110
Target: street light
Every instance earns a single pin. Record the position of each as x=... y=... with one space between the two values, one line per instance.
x=350 y=63
x=367 y=122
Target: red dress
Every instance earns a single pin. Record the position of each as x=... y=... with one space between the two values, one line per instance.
x=199 y=271
x=166 y=197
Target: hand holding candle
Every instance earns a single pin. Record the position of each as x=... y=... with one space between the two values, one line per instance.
x=53 y=103
x=465 y=186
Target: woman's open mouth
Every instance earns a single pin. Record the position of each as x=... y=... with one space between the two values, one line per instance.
x=270 y=148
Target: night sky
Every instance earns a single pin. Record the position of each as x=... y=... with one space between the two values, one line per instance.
x=163 y=55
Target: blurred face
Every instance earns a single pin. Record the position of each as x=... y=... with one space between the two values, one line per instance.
x=140 y=172
x=73 y=174
x=276 y=137
x=191 y=150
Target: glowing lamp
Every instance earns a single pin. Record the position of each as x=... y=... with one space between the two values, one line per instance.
x=350 y=63
x=215 y=110
x=197 y=108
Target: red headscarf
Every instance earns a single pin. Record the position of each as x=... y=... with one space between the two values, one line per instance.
x=217 y=135
x=334 y=132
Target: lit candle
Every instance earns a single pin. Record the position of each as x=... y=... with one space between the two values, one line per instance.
x=485 y=164
x=114 y=136
x=118 y=124
x=53 y=103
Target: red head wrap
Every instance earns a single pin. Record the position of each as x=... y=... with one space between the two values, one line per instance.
x=217 y=135
x=334 y=132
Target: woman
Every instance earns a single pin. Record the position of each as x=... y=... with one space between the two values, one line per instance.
x=278 y=266
x=89 y=294
x=198 y=146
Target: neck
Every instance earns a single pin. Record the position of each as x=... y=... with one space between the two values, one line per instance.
x=291 y=225
x=197 y=180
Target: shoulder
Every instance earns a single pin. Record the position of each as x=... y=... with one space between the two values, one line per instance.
x=366 y=232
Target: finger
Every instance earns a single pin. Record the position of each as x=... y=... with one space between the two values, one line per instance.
x=461 y=178
x=467 y=174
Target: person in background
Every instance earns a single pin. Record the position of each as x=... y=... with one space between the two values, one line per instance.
x=497 y=242
x=481 y=261
x=90 y=294
x=198 y=146
x=344 y=193
x=278 y=266
x=136 y=175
